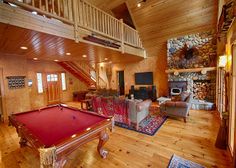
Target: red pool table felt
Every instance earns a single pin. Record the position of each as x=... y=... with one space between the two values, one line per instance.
x=52 y=125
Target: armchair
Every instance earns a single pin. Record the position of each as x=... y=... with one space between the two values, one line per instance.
x=178 y=108
x=138 y=110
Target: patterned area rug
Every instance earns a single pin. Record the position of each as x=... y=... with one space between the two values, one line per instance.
x=178 y=162
x=149 y=125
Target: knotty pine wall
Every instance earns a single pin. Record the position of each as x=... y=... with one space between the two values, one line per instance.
x=157 y=65
x=27 y=98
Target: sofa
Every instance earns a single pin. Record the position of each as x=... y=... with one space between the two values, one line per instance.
x=124 y=110
x=138 y=110
x=111 y=106
x=179 y=107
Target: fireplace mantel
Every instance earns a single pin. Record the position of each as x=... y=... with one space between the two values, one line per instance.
x=190 y=70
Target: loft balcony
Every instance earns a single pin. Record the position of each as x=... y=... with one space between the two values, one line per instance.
x=76 y=20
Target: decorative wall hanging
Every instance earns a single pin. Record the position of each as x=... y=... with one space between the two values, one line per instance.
x=16 y=82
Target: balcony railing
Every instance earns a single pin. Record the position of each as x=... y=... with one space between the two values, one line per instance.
x=81 y=14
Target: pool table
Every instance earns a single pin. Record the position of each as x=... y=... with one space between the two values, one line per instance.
x=58 y=130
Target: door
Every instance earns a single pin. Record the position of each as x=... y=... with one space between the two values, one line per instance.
x=121 y=82
x=53 y=88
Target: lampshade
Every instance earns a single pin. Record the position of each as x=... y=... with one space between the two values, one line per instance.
x=222 y=61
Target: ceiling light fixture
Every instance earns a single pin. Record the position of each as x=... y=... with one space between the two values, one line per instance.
x=35 y=58
x=68 y=53
x=139 y=4
x=56 y=60
x=84 y=56
x=23 y=48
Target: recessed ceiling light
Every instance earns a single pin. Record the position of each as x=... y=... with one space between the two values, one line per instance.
x=23 y=48
x=106 y=58
x=139 y=5
x=56 y=60
x=84 y=56
x=68 y=53
x=34 y=12
x=35 y=58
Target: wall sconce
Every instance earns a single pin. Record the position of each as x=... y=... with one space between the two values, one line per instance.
x=222 y=61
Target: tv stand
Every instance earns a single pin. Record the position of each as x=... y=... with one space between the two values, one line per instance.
x=144 y=92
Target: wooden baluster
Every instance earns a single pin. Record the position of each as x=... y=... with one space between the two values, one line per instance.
x=90 y=16
x=58 y=8
x=83 y=14
x=46 y=3
x=33 y=3
x=40 y=4
x=69 y=7
x=107 y=23
x=87 y=15
x=103 y=21
x=111 y=27
x=94 y=20
x=122 y=35
x=79 y=10
x=53 y=7
x=75 y=8
x=97 y=19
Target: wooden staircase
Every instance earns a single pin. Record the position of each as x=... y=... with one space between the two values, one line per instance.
x=85 y=73
x=79 y=73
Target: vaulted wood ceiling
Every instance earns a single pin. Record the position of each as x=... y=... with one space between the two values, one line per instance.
x=159 y=20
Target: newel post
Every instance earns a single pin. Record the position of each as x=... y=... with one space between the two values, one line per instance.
x=122 y=35
x=76 y=20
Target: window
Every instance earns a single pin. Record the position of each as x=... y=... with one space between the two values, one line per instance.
x=40 y=82
x=52 y=78
x=63 y=81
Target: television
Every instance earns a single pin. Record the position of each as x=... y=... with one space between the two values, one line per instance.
x=144 y=78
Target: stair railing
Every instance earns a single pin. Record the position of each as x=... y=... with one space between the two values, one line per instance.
x=83 y=15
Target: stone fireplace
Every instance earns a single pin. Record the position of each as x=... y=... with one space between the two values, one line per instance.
x=189 y=52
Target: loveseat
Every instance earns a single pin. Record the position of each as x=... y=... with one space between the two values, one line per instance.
x=178 y=108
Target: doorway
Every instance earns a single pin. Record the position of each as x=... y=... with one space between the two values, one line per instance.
x=121 y=82
x=53 y=88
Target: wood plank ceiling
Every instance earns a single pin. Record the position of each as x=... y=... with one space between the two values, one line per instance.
x=159 y=20
x=48 y=47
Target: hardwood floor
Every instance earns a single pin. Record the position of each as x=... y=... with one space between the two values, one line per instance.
x=193 y=140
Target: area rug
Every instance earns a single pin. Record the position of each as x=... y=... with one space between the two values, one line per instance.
x=149 y=125
x=178 y=162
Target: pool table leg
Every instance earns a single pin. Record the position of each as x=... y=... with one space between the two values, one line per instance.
x=22 y=142
x=103 y=138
